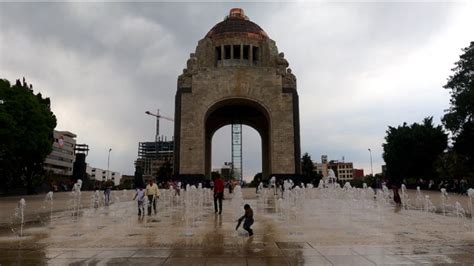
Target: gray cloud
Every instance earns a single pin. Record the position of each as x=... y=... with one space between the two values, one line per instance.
x=360 y=68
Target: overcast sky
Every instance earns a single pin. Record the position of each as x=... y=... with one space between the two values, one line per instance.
x=360 y=67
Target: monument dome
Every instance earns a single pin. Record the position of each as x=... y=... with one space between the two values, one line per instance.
x=236 y=23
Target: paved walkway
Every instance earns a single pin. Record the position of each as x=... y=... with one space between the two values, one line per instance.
x=318 y=232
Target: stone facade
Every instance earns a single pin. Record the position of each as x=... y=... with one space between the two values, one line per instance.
x=237 y=75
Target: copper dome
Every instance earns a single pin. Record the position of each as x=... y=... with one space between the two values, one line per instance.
x=236 y=23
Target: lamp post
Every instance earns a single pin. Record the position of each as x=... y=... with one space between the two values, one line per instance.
x=371 y=169
x=108 y=164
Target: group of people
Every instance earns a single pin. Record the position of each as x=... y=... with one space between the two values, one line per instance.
x=152 y=194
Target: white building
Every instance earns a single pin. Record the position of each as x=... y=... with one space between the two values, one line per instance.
x=103 y=175
x=60 y=161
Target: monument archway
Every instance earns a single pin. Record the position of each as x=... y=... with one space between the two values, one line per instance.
x=236 y=75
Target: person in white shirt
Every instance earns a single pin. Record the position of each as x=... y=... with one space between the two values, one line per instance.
x=140 y=197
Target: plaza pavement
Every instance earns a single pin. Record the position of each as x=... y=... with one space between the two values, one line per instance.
x=323 y=232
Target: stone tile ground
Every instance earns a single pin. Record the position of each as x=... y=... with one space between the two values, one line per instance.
x=323 y=232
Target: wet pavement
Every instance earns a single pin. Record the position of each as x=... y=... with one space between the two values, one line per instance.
x=320 y=231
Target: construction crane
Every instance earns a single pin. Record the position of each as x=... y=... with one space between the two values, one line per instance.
x=158 y=116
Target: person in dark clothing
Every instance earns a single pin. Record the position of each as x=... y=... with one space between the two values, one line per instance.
x=247 y=218
x=218 y=194
x=395 y=185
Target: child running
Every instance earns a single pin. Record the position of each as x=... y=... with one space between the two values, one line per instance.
x=247 y=218
x=140 y=197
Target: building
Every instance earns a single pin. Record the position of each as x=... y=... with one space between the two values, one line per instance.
x=80 y=165
x=225 y=172
x=358 y=174
x=344 y=171
x=322 y=168
x=99 y=174
x=152 y=155
x=60 y=161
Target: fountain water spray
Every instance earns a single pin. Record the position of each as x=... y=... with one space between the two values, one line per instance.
x=76 y=194
x=404 y=197
x=470 y=194
x=419 y=198
x=49 y=198
x=444 y=200
x=20 y=213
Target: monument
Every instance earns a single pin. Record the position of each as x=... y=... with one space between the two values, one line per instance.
x=236 y=76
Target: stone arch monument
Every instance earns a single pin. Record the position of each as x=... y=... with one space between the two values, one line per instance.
x=236 y=75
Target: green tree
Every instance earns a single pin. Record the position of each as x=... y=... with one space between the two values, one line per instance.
x=215 y=175
x=165 y=172
x=459 y=118
x=307 y=170
x=256 y=180
x=26 y=135
x=449 y=167
x=411 y=151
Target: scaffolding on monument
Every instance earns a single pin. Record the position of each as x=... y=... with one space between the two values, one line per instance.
x=237 y=152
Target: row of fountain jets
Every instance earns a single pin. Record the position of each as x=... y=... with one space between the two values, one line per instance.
x=288 y=203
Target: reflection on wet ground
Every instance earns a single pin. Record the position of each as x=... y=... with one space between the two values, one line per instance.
x=321 y=232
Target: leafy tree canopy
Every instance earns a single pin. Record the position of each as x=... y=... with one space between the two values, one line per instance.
x=26 y=135
x=411 y=151
x=256 y=180
x=308 y=171
x=461 y=86
x=459 y=118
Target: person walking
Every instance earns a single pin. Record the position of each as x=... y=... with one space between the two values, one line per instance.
x=153 y=193
x=140 y=197
x=107 y=191
x=218 y=194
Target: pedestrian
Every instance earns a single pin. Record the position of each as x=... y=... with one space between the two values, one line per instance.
x=178 y=189
x=153 y=193
x=395 y=185
x=218 y=194
x=140 y=197
x=107 y=191
x=248 y=220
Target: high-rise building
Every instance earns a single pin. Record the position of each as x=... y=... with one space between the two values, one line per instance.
x=152 y=155
x=60 y=161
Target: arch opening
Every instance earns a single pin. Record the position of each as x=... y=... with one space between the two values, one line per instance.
x=251 y=152
x=235 y=111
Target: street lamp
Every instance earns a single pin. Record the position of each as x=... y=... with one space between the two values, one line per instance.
x=108 y=164
x=371 y=169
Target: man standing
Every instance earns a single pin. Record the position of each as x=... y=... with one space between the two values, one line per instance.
x=153 y=194
x=218 y=193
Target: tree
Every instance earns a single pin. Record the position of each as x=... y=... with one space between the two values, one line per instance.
x=459 y=118
x=165 y=171
x=256 y=180
x=26 y=135
x=215 y=175
x=448 y=166
x=411 y=151
x=307 y=169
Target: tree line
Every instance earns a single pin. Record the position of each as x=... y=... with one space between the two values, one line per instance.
x=443 y=154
